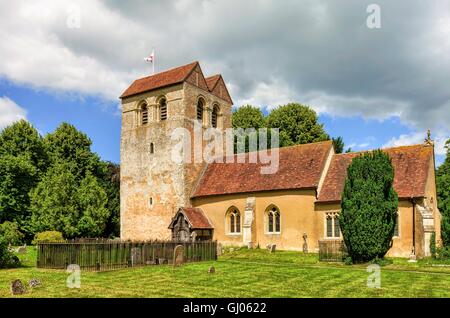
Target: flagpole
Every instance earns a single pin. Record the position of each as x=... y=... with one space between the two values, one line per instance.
x=153 y=61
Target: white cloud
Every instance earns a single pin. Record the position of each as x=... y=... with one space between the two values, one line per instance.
x=10 y=112
x=270 y=52
x=418 y=138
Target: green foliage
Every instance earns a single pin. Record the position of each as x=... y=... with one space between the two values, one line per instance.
x=298 y=124
x=22 y=139
x=443 y=194
x=338 y=144
x=23 y=160
x=381 y=261
x=48 y=236
x=369 y=206
x=248 y=116
x=18 y=176
x=433 y=245
x=91 y=199
x=53 y=202
x=68 y=145
x=111 y=184
x=60 y=203
x=9 y=232
x=7 y=258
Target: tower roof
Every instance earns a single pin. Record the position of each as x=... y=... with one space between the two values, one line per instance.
x=170 y=77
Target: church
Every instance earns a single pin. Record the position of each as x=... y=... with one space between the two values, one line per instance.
x=234 y=203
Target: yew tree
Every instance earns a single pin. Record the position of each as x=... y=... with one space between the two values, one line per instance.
x=369 y=206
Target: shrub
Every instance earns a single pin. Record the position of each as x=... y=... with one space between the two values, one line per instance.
x=10 y=233
x=369 y=207
x=7 y=258
x=48 y=236
x=433 y=245
x=443 y=252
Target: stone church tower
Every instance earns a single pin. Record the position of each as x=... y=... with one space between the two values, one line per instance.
x=153 y=185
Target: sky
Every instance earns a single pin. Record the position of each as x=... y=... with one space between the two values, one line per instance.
x=376 y=84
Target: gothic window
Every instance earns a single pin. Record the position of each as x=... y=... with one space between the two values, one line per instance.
x=234 y=221
x=273 y=220
x=144 y=114
x=333 y=229
x=163 y=109
x=200 y=107
x=214 y=115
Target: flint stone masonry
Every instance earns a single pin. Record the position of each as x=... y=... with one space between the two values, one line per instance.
x=145 y=175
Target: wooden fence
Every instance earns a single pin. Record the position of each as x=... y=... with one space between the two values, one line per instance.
x=332 y=250
x=108 y=255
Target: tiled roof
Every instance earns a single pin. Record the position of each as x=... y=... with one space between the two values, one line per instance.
x=300 y=167
x=197 y=218
x=166 y=78
x=212 y=81
x=411 y=166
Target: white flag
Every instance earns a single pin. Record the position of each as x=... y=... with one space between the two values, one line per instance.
x=151 y=58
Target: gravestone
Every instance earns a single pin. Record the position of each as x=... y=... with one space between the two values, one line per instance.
x=136 y=256
x=178 y=255
x=211 y=270
x=17 y=288
x=34 y=283
x=273 y=248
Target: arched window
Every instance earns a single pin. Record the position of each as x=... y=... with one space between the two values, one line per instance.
x=144 y=114
x=333 y=229
x=163 y=109
x=214 y=115
x=273 y=220
x=200 y=107
x=234 y=221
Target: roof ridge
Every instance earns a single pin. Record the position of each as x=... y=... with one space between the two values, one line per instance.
x=387 y=148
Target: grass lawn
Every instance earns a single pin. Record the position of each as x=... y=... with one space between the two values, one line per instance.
x=242 y=273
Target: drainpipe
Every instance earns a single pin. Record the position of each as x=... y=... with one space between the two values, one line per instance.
x=413 y=201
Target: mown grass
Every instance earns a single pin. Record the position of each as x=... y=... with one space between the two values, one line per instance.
x=242 y=273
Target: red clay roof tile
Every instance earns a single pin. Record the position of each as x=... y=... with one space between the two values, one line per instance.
x=166 y=78
x=197 y=218
x=300 y=167
x=411 y=166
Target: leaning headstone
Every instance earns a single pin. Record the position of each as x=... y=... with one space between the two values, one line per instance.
x=272 y=248
x=211 y=270
x=22 y=250
x=17 y=288
x=34 y=283
x=178 y=255
x=219 y=249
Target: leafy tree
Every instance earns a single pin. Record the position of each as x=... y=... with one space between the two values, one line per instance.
x=7 y=258
x=22 y=139
x=298 y=124
x=53 y=202
x=9 y=231
x=369 y=206
x=69 y=145
x=18 y=176
x=443 y=194
x=248 y=116
x=48 y=236
x=92 y=201
x=339 y=145
x=111 y=184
